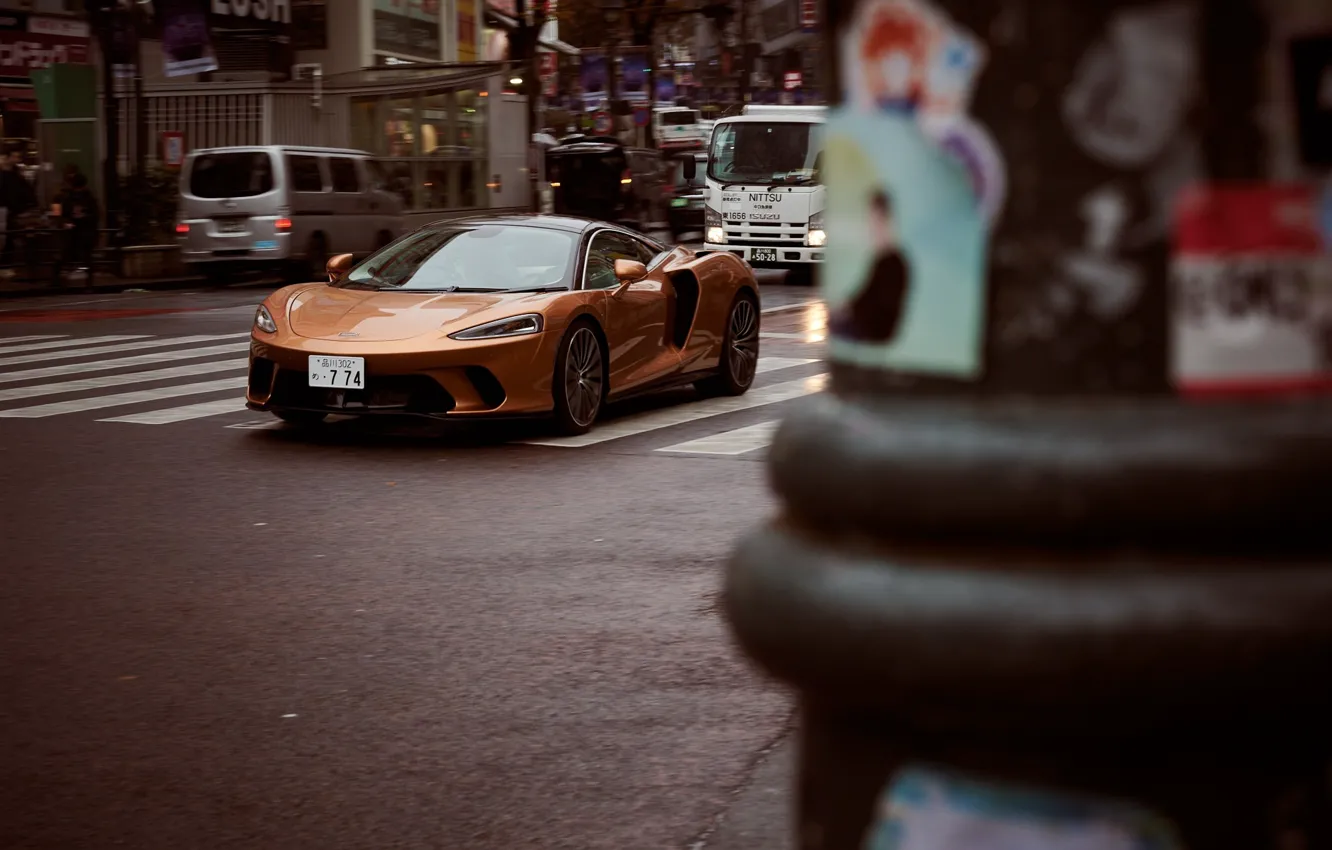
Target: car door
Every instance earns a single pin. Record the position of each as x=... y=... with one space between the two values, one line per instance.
x=638 y=315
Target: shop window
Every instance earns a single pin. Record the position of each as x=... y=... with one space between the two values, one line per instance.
x=366 y=134
x=401 y=128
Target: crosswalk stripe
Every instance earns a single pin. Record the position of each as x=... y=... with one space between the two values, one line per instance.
x=181 y=414
x=121 y=399
x=123 y=378
x=772 y=364
x=735 y=442
x=11 y=340
x=119 y=363
x=112 y=349
x=665 y=418
x=66 y=343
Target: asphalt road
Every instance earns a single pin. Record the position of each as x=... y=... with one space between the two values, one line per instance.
x=216 y=632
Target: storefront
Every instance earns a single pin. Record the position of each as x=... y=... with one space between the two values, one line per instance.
x=28 y=42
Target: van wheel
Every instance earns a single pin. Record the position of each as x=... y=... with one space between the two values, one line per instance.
x=316 y=256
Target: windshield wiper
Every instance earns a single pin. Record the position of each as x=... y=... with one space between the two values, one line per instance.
x=550 y=287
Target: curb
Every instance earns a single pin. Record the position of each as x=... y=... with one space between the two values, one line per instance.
x=123 y=287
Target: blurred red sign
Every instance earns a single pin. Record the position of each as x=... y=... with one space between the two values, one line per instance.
x=549 y=66
x=1252 y=287
x=21 y=52
x=173 y=149
x=792 y=80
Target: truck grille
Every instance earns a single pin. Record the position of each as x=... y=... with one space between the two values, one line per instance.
x=791 y=232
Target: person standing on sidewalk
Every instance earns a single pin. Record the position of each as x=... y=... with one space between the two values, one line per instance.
x=19 y=201
x=77 y=209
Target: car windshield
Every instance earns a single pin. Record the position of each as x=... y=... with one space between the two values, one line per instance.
x=235 y=174
x=480 y=258
x=771 y=152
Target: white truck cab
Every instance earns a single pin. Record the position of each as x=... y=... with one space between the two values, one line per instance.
x=765 y=196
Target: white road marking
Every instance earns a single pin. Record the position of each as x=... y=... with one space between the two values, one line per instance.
x=787 y=308
x=772 y=364
x=66 y=343
x=181 y=414
x=123 y=378
x=120 y=399
x=119 y=363
x=10 y=340
x=112 y=349
x=735 y=442
x=665 y=418
x=259 y=424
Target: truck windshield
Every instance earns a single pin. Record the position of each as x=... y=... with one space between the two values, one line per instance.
x=766 y=152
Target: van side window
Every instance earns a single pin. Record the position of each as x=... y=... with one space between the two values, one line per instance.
x=344 y=174
x=305 y=174
x=375 y=174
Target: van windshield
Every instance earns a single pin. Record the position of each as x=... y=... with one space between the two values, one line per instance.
x=677 y=118
x=235 y=174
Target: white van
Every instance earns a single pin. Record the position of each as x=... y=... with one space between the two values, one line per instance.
x=677 y=128
x=282 y=208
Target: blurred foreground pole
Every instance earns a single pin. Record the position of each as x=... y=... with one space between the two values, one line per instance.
x=1053 y=562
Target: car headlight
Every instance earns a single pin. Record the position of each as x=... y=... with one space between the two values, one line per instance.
x=713 y=231
x=263 y=320
x=816 y=237
x=531 y=323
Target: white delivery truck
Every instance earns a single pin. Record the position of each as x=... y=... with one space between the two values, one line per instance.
x=765 y=196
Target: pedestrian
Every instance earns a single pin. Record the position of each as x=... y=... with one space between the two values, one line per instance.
x=19 y=201
x=76 y=206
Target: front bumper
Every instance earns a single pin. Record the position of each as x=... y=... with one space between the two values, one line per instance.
x=787 y=255
x=505 y=377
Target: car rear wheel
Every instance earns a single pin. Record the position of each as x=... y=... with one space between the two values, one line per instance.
x=579 y=381
x=740 y=350
x=302 y=418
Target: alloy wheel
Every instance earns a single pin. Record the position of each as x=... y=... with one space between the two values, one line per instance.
x=744 y=335
x=583 y=377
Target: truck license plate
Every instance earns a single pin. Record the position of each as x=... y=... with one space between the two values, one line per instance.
x=231 y=225
x=763 y=255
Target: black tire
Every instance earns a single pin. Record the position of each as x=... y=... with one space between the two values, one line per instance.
x=579 y=381
x=301 y=418
x=740 y=350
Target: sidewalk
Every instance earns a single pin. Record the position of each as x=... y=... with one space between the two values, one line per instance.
x=102 y=282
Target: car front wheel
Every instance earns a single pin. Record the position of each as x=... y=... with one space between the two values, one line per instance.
x=579 y=381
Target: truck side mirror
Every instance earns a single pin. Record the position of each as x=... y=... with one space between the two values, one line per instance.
x=690 y=168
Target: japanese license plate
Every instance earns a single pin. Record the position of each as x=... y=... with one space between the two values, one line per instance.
x=231 y=225
x=341 y=372
x=763 y=255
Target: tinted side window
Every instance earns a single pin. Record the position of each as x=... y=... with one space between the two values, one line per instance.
x=304 y=173
x=375 y=172
x=344 y=174
x=606 y=249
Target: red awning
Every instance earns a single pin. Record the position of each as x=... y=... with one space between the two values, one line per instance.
x=17 y=93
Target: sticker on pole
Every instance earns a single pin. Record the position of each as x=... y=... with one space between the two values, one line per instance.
x=601 y=123
x=1252 y=287
x=926 y=809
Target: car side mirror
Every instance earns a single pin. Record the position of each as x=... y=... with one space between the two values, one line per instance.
x=690 y=168
x=338 y=266
x=629 y=271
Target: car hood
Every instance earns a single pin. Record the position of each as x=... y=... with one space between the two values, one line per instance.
x=326 y=312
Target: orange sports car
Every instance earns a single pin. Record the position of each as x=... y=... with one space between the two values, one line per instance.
x=505 y=316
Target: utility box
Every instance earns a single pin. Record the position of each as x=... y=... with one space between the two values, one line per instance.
x=65 y=91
